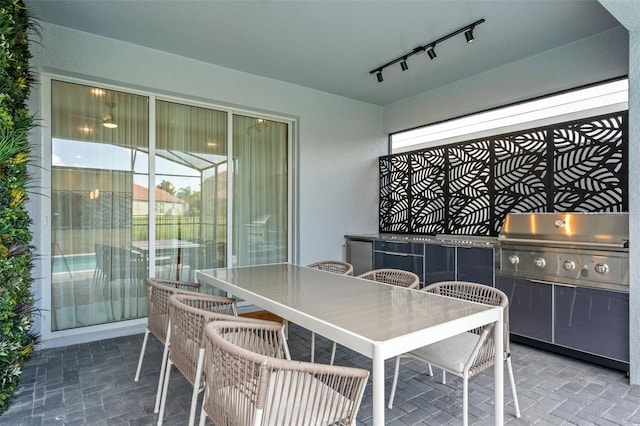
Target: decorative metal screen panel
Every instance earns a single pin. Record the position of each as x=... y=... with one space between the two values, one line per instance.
x=588 y=166
x=428 y=200
x=469 y=187
x=520 y=174
x=470 y=183
x=394 y=194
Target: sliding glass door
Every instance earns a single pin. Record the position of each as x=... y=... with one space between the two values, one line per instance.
x=163 y=191
x=97 y=136
x=190 y=190
x=260 y=196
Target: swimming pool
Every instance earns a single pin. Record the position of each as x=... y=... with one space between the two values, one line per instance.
x=73 y=263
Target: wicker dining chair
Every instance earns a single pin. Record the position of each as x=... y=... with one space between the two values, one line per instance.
x=396 y=277
x=334 y=266
x=337 y=267
x=244 y=387
x=158 y=293
x=466 y=354
x=187 y=316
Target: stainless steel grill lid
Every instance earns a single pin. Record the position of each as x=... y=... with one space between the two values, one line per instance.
x=571 y=248
x=592 y=230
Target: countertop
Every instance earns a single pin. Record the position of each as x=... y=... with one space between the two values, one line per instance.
x=438 y=239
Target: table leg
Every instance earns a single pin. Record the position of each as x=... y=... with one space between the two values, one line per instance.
x=378 y=387
x=498 y=370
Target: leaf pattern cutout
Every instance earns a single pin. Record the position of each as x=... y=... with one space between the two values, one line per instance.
x=470 y=187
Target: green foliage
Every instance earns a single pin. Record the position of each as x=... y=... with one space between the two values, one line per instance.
x=16 y=255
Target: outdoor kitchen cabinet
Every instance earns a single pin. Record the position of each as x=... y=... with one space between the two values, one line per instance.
x=359 y=253
x=475 y=264
x=439 y=263
x=399 y=255
x=588 y=323
x=458 y=263
x=530 y=307
x=592 y=320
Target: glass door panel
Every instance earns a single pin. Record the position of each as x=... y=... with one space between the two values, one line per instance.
x=260 y=191
x=97 y=136
x=190 y=189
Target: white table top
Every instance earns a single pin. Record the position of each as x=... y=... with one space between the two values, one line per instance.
x=356 y=313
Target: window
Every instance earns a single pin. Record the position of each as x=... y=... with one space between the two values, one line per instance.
x=587 y=102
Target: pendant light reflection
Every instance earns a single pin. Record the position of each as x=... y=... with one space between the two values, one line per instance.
x=109 y=123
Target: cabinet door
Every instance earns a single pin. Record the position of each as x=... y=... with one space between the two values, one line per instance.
x=407 y=262
x=439 y=263
x=530 y=307
x=360 y=255
x=593 y=320
x=475 y=264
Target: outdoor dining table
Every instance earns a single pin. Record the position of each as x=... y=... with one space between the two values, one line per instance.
x=377 y=320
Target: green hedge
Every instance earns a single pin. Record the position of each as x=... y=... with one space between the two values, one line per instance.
x=16 y=252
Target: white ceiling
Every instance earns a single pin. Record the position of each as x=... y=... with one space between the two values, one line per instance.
x=332 y=45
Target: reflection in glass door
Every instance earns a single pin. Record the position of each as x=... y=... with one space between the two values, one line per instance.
x=191 y=190
x=98 y=142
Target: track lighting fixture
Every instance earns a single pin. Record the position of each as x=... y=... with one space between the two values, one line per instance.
x=430 y=48
x=469 y=35
x=431 y=51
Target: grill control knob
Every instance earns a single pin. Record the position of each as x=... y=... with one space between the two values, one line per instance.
x=602 y=268
x=569 y=265
x=539 y=262
x=514 y=260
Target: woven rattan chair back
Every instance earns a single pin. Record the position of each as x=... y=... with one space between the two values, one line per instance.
x=188 y=315
x=158 y=293
x=335 y=266
x=465 y=355
x=248 y=388
x=396 y=277
x=484 y=294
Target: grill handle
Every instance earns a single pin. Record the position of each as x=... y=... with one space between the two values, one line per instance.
x=533 y=241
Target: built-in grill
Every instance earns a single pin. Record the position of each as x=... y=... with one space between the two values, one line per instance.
x=589 y=249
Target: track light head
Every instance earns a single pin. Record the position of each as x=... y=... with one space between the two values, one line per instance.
x=431 y=51
x=404 y=65
x=469 y=35
x=379 y=75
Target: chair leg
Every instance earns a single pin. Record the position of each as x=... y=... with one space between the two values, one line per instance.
x=465 y=401
x=144 y=347
x=444 y=377
x=313 y=346
x=163 y=366
x=165 y=388
x=196 y=387
x=395 y=383
x=203 y=414
x=513 y=388
x=333 y=353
